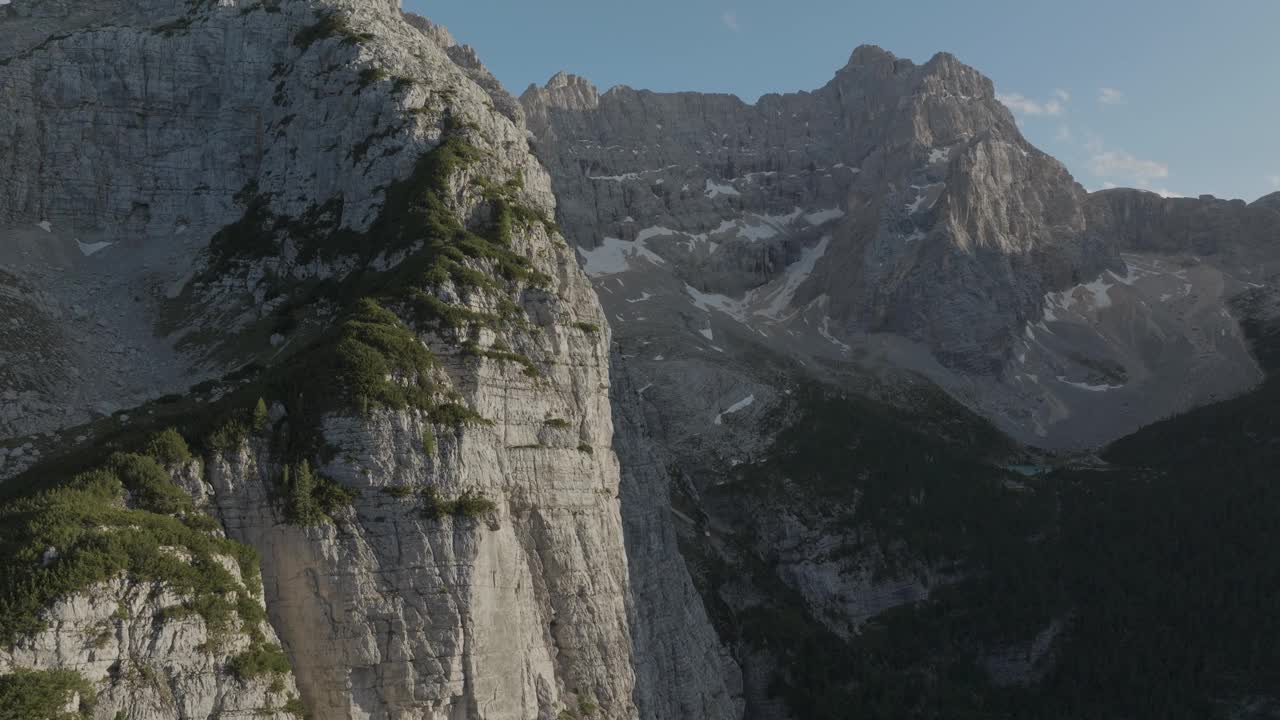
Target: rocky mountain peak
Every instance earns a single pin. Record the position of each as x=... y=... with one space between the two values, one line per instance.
x=1271 y=201
x=864 y=55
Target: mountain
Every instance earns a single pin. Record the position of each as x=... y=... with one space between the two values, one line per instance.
x=336 y=382
x=880 y=338
x=288 y=325
x=895 y=219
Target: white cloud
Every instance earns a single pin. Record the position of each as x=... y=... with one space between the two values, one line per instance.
x=1023 y=105
x=1274 y=180
x=730 y=20
x=1062 y=95
x=1110 y=96
x=1120 y=164
x=1064 y=134
x=1109 y=186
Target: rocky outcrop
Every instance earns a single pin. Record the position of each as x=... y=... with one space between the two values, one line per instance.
x=144 y=661
x=258 y=178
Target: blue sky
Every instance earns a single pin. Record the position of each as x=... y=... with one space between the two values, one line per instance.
x=1178 y=96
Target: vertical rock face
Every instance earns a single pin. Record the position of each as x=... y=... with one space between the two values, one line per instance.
x=682 y=670
x=267 y=187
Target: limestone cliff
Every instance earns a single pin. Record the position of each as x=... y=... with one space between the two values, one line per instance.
x=310 y=236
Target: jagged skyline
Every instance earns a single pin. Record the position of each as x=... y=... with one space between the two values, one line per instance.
x=1091 y=84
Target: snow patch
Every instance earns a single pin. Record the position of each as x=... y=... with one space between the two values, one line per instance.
x=825 y=331
x=824 y=216
x=938 y=155
x=615 y=178
x=614 y=256
x=91 y=248
x=653 y=232
x=1086 y=386
x=644 y=295
x=756 y=233
x=1099 y=289
x=783 y=290
x=708 y=333
x=739 y=406
x=44 y=225
x=715 y=189
x=711 y=301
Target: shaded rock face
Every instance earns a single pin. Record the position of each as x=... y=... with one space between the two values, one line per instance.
x=671 y=635
x=283 y=122
x=896 y=222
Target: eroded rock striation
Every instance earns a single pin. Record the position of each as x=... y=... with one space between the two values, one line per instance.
x=310 y=236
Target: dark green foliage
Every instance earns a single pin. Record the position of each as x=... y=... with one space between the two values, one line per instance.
x=1163 y=570
x=169 y=448
x=455 y=415
x=557 y=423
x=43 y=695
x=398 y=491
x=467 y=505
x=920 y=495
x=261 y=659
x=261 y=418
x=148 y=483
x=96 y=538
x=371 y=75
x=311 y=498
x=585 y=448
x=586 y=327
x=294 y=707
x=329 y=25
x=229 y=436
x=372 y=360
x=175 y=26
x=428 y=441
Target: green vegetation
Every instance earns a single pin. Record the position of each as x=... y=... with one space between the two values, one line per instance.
x=585 y=448
x=148 y=483
x=467 y=505
x=261 y=417
x=329 y=25
x=294 y=707
x=96 y=538
x=261 y=659
x=229 y=436
x=44 y=695
x=428 y=442
x=169 y=448
x=557 y=423
x=311 y=498
x=371 y=75
x=586 y=327
x=373 y=360
x=173 y=27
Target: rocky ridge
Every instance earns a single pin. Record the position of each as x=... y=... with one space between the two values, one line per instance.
x=894 y=219
x=335 y=203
